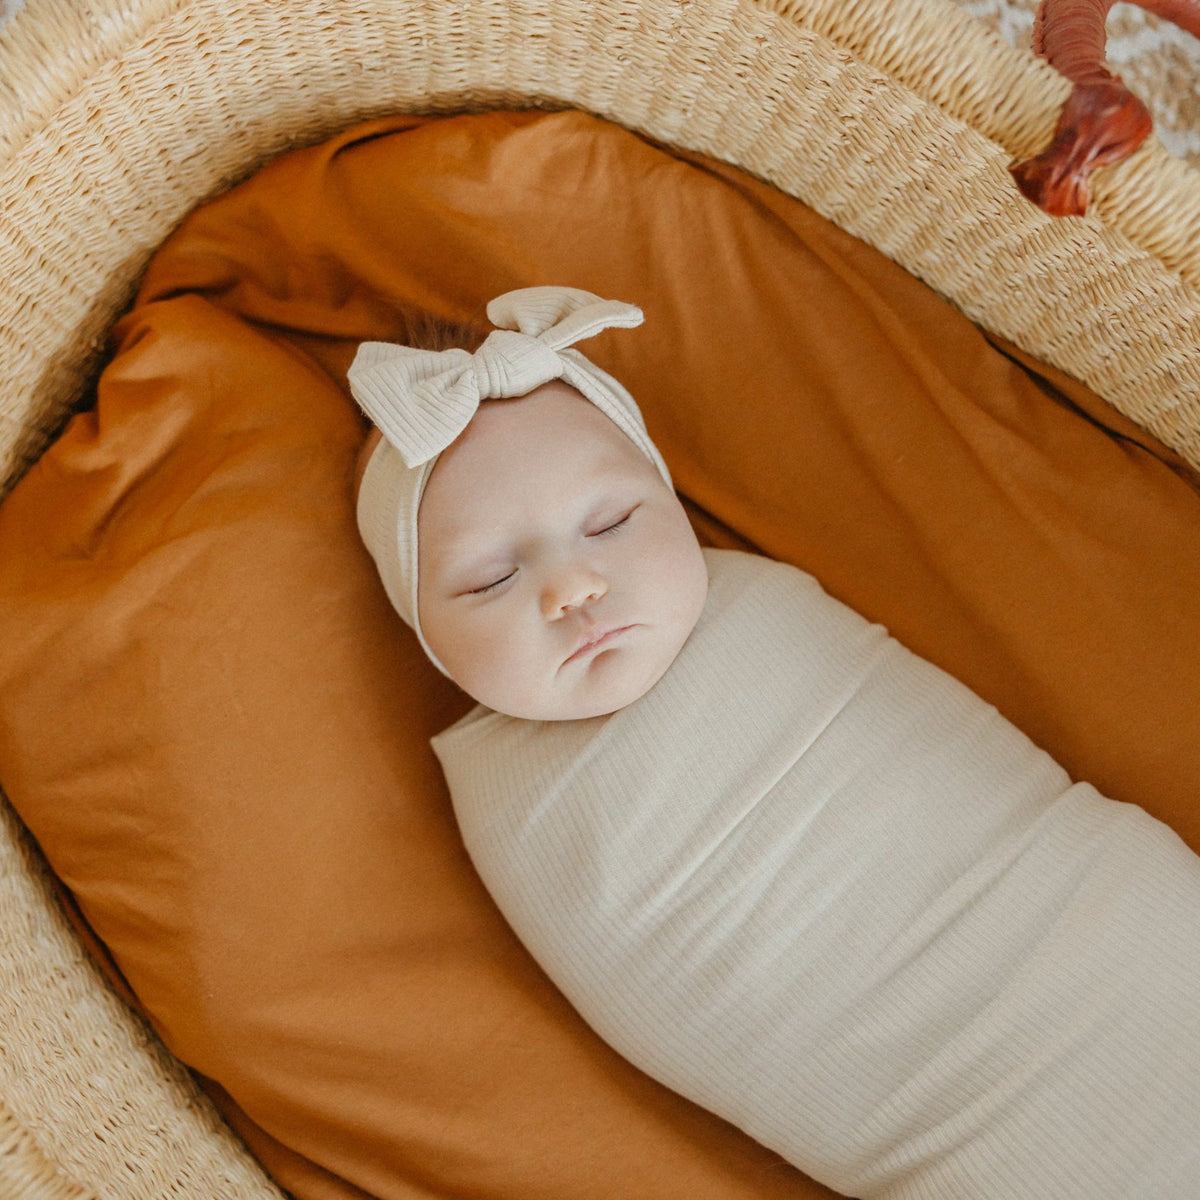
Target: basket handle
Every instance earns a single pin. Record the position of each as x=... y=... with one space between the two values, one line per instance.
x=1102 y=121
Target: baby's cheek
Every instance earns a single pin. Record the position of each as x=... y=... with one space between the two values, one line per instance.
x=498 y=657
x=680 y=568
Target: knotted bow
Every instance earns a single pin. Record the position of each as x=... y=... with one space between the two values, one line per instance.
x=423 y=399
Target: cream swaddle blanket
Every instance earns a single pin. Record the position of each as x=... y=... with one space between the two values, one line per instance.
x=816 y=885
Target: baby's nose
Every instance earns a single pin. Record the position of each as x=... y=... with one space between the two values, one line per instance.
x=569 y=589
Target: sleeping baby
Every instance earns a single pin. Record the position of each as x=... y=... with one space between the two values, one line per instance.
x=783 y=865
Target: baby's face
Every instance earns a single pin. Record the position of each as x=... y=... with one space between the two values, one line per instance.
x=558 y=574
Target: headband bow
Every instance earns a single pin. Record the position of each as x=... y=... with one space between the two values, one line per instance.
x=423 y=399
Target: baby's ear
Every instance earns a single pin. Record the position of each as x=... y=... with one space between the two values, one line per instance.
x=364 y=456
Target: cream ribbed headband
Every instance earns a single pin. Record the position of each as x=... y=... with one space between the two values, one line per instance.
x=421 y=400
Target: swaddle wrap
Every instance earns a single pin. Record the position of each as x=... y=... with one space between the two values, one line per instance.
x=816 y=885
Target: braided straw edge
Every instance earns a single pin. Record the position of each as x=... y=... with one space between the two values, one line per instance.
x=1007 y=95
x=1013 y=99
x=27 y=1169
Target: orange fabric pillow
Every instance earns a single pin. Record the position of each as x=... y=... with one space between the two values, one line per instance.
x=218 y=729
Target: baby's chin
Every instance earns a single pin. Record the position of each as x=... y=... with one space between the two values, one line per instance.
x=602 y=703
x=575 y=708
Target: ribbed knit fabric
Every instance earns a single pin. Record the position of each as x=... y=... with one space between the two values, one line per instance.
x=818 y=886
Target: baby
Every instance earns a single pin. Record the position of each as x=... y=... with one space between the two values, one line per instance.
x=782 y=864
x=558 y=575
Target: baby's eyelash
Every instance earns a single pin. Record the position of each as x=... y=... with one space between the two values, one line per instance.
x=491 y=587
x=616 y=524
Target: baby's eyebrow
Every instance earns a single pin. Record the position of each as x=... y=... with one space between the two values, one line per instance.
x=614 y=505
x=465 y=570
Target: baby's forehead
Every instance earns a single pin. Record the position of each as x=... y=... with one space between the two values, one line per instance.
x=550 y=430
x=559 y=456
x=555 y=408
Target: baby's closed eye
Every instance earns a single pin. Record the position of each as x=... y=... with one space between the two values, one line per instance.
x=613 y=526
x=491 y=587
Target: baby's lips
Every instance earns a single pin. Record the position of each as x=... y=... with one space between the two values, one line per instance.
x=596 y=641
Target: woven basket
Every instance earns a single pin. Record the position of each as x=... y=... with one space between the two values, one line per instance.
x=897 y=120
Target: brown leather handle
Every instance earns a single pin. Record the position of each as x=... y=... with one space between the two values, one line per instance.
x=1102 y=121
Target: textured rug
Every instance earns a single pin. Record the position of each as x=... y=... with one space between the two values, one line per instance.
x=1158 y=62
